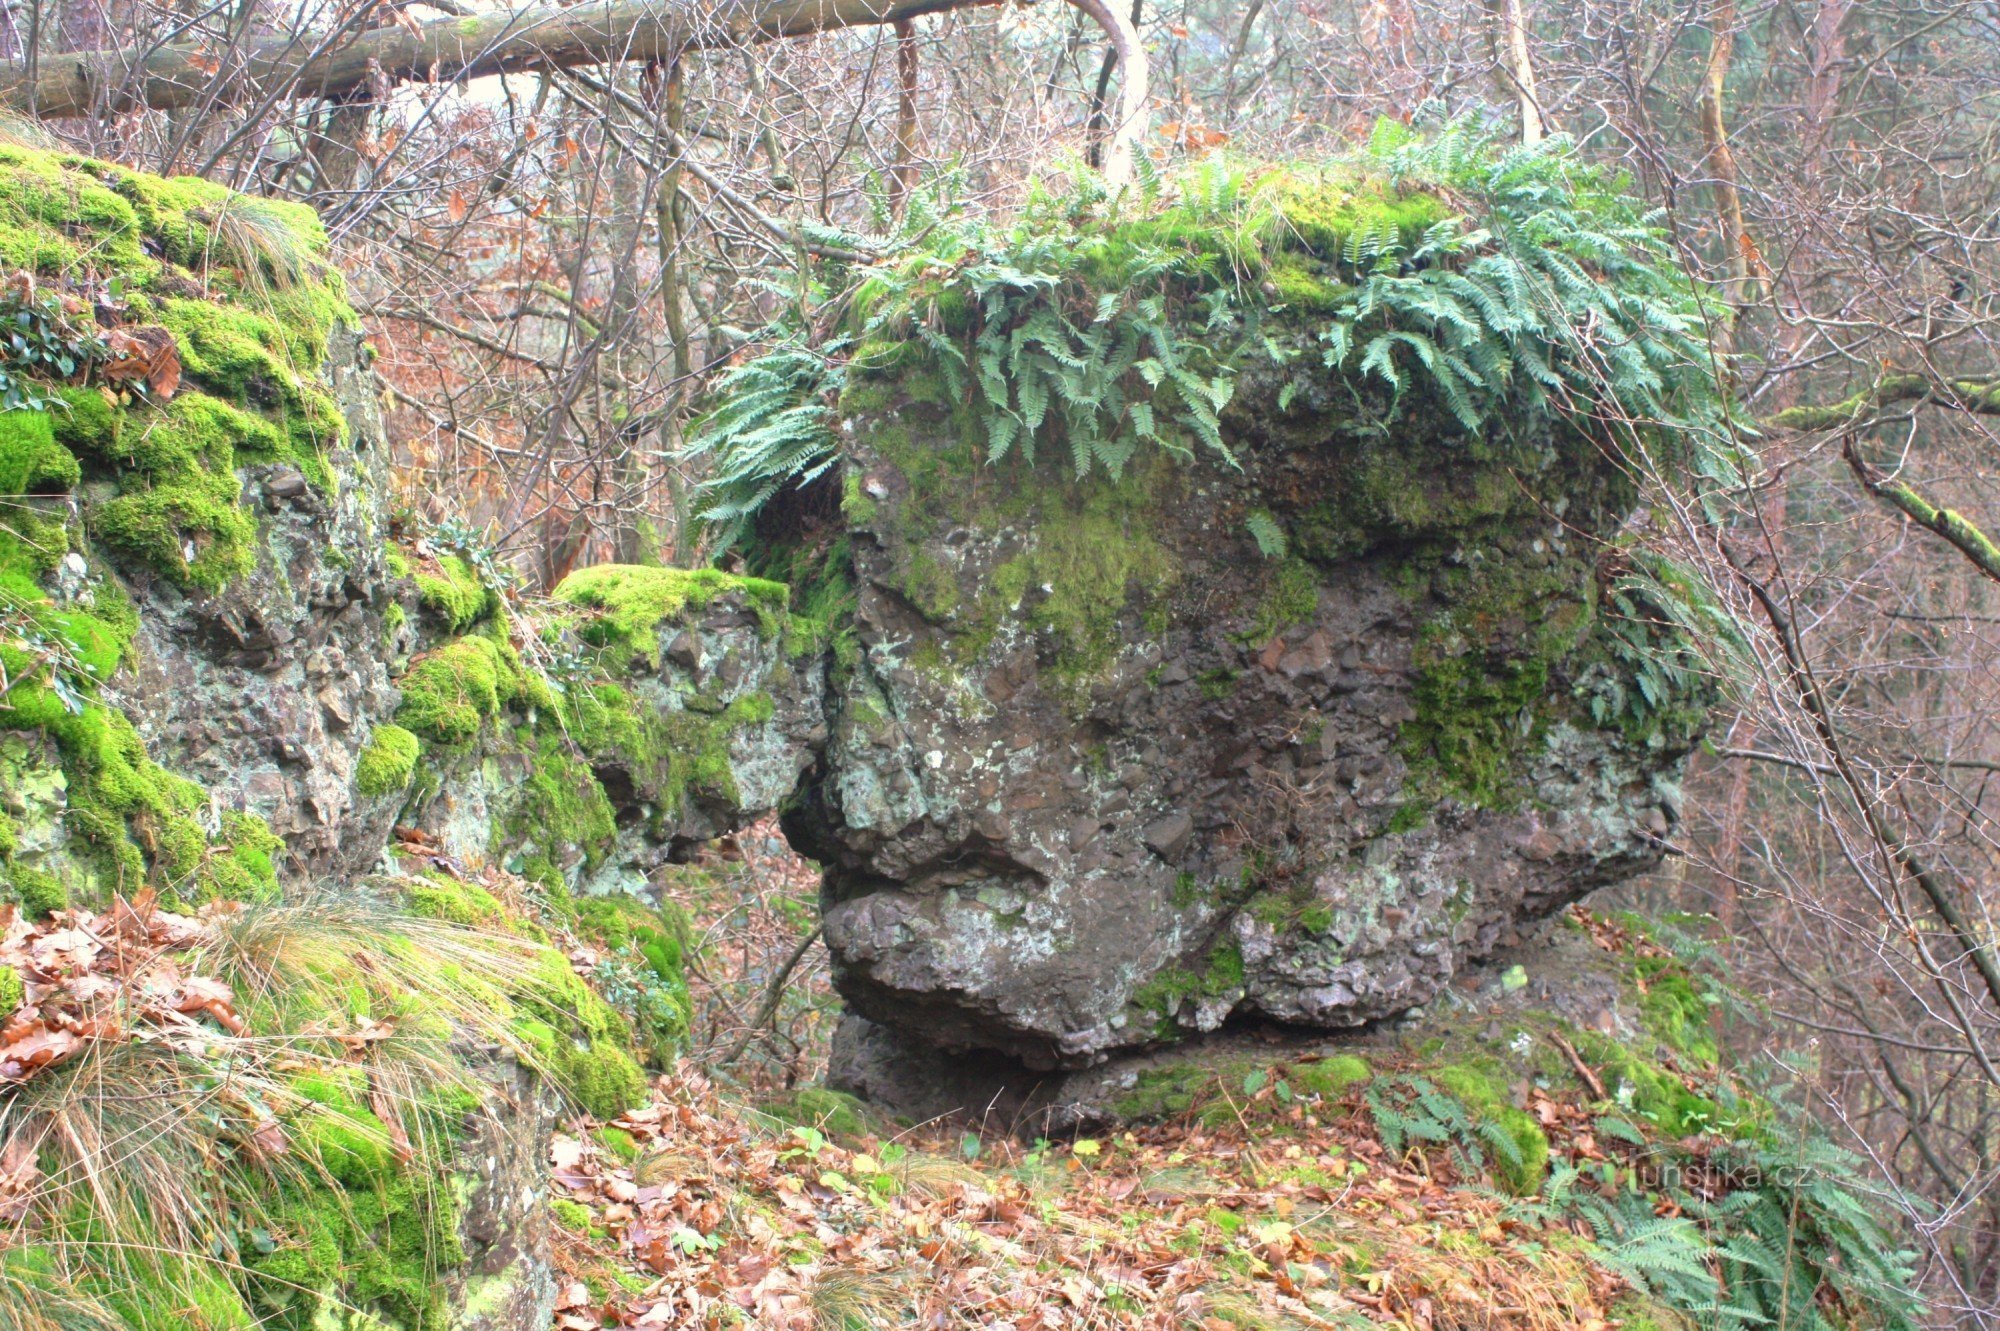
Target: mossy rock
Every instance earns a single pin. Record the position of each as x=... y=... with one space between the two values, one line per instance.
x=389 y=761
x=842 y=1117
x=154 y=483
x=629 y=603
x=454 y=596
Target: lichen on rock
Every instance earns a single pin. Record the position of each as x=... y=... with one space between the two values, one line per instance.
x=1290 y=712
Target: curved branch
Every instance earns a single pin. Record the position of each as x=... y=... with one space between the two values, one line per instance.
x=1133 y=94
x=1980 y=397
x=1961 y=534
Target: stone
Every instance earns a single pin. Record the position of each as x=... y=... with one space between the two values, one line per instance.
x=1167 y=837
x=1310 y=790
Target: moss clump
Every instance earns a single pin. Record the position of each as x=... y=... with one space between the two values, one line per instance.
x=572 y=1216
x=1297 y=286
x=856 y=505
x=579 y=1040
x=356 y=1224
x=138 y=823
x=645 y=973
x=563 y=807
x=1324 y=214
x=454 y=596
x=13 y=990
x=1675 y=1013
x=388 y=762
x=670 y=756
x=1474 y=721
x=1180 y=1088
x=1291 y=596
x=451 y=693
x=32 y=463
x=37 y=891
x=1648 y=1090
x=631 y=601
x=1329 y=1077
x=839 y=1115
x=620 y=1144
x=1485 y=1096
x=442 y=898
x=1167 y=992
x=250 y=350
x=139 y=820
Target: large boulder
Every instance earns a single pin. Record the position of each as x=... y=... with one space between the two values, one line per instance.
x=1120 y=761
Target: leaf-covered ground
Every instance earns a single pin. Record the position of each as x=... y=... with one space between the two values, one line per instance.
x=696 y=1212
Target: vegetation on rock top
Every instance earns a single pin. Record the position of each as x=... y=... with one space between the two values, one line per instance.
x=1510 y=285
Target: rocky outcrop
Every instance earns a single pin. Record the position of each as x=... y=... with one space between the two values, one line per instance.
x=1093 y=767
x=224 y=677
x=1106 y=774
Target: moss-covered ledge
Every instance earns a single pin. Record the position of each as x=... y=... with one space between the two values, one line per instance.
x=580 y=738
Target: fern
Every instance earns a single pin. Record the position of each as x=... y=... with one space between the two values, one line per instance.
x=1673 y=643
x=1790 y=1242
x=1268 y=534
x=1411 y=1112
x=1107 y=324
x=772 y=428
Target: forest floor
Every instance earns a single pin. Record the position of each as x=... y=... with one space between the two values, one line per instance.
x=738 y=1198
x=695 y=1211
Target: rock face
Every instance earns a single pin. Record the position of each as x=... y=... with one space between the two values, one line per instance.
x=1106 y=774
x=224 y=677
x=267 y=690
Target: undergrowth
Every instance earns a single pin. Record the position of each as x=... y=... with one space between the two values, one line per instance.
x=1513 y=284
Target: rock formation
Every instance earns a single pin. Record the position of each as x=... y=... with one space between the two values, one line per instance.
x=1105 y=776
x=1093 y=766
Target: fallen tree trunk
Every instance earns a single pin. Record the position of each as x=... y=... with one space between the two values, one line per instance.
x=166 y=77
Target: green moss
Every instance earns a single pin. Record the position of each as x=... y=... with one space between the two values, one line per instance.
x=441 y=898
x=1650 y=1091
x=1485 y=1096
x=1474 y=722
x=1329 y=1077
x=31 y=461
x=456 y=598
x=602 y=1078
x=138 y=822
x=839 y=1115
x=671 y=755
x=388 y=762
x=1078 y=576
x=1295 y=285
x=250 y=350
x=13 y=990
x=1673 y=1011
x=168 y=1292
x=451 y=693
x=631 y=601
x=1322 y=212
x=622 y=1145
x=1291 y=596
x=572 y=1216
x=1179 y=1088
x=582 y=1042
x=1217 y=683
x=855 y=504
x=563 y=807
x=1165 y=994
x=357 y=1224
x=36 y=890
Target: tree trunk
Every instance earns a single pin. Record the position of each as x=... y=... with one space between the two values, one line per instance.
x=164 y=77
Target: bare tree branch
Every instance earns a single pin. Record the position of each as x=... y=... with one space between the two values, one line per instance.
x=445 y=50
